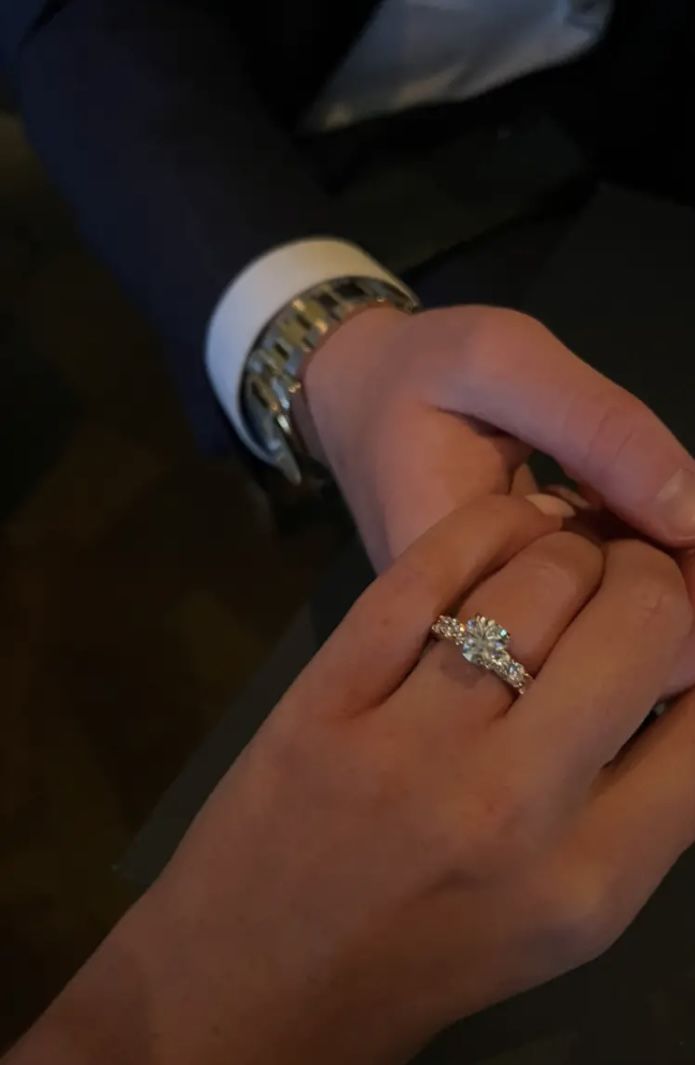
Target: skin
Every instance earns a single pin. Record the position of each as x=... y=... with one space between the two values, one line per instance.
x=404 y=842
x=421 y=414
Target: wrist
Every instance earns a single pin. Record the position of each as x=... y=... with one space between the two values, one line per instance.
x=273 y=398
x=346 y=377
x=166 y=988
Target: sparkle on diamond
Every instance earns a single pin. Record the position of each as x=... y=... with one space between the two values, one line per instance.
x=484 y=641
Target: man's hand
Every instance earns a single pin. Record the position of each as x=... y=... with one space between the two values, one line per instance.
x=418 y=415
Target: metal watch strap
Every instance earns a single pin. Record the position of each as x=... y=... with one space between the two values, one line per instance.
x=272 y=381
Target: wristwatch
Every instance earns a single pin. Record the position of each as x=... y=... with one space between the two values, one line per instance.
x=272 y=393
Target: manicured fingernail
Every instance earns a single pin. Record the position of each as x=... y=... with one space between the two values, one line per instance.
x=676 y=505
x=562 y=491
x=557 y=508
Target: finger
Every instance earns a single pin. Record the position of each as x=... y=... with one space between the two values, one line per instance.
x=683 y=675
x=535 y=597
x=642 y=816
x=384 y=633
x=519 y=377
x=455 y=462
x=523 y=482
x=600 y=526
x=609 y=668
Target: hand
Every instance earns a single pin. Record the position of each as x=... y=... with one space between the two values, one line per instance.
x=402 y=843
x=418 y=415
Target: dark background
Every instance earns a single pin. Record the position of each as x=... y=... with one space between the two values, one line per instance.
x=142 y=584
x=130 y=568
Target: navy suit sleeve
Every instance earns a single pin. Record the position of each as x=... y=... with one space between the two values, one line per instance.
x=144 y=119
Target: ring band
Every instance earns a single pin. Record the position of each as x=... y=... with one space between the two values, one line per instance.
x=484 y=642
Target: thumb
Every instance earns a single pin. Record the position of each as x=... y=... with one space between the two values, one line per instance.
x=513 y=373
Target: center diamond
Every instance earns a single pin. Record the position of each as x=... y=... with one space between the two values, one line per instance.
x=484 y=641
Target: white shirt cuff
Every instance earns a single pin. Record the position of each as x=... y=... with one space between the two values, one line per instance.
x=257 y=294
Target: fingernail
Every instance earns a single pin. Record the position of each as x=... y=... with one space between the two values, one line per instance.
x=562 y=491
x=676 y=505
x=552 y=505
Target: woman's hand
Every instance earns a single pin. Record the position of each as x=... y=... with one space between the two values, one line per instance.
x=404 y=842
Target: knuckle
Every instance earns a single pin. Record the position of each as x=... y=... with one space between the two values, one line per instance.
x=522 y=326
x=483 y=344
x=611 y=430
x=497 y=339
x=654 y=585
x=578 y=917
x=479 y=331
x=566 y=561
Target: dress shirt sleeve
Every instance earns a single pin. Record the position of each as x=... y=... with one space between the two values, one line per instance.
x=147 y=120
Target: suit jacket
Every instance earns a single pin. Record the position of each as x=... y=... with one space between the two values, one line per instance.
x=169 y=127
x=167 y=124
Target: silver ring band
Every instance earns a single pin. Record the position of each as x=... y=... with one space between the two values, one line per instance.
x=484 y=643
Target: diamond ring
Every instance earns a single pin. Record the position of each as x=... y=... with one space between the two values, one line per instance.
x=484 y=643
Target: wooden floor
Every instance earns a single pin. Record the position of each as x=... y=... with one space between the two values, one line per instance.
x=135 y=581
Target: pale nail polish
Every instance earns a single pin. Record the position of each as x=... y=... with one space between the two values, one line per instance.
x=552 y=505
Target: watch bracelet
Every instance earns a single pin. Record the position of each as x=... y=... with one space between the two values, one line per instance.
x=273 y=373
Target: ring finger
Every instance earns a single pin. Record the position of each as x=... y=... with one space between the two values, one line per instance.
x=535 y=597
